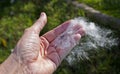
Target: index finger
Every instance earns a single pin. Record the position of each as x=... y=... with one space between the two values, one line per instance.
x=51 y=35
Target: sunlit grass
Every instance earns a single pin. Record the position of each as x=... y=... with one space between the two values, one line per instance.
x=110 y=7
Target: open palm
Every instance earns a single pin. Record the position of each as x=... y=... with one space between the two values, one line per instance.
x=39 y=54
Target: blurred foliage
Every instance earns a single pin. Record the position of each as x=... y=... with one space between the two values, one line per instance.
x=110 y=7
x=16 y=15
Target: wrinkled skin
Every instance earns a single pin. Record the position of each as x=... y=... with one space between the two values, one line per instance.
x=38 y=54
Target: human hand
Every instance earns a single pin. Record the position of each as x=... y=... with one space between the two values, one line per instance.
x=43 y=54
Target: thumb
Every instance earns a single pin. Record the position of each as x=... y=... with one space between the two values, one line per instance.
x=40 y=23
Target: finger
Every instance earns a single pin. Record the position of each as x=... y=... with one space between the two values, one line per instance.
x=57 y=54
x=53 y=55
x=40 y=23
x=81 y=31
x=77 y=37
x=51 y=35
x=77 y=27
x=64 y=52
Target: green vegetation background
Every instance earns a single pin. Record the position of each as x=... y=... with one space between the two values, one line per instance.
x=20 y=14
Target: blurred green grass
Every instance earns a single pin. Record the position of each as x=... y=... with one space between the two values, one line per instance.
x=16 y=16
x=109 y=7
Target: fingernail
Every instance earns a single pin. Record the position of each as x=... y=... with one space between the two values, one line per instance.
x=42 y=14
